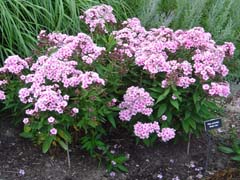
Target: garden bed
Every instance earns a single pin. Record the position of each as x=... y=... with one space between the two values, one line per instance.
x=168 y=160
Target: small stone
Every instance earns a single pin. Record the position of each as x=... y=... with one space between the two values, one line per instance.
x=210 y=172
x=159 y=176
x=21 y=172
x=220 y=164
x=192 y=165
x=199 y=176
x=48 y=165
x=190 y=178
x=112 y=174
x=9 y=133
x=220 y=130
x=127 y=155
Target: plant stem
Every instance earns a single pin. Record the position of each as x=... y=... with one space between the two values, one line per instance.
x=68 y=159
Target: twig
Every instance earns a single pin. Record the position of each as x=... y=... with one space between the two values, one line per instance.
x=9 y=171
x=189 y=142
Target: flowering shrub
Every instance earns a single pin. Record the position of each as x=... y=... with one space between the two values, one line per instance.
x=157 y=83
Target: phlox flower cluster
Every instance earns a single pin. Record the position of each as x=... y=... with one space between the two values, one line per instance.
x=208 y=64
x=49 y=97
x=152 y=49
x=81 y=45
x=167 y=134
x=129 y=37
x=64 y=72
x=217 y=89
x=89 y=78
x=136 y=100
x=14 y=64
x=143 y=131
x=178 y=72
x=152 y=52
x=97 y=17
x=45 y=98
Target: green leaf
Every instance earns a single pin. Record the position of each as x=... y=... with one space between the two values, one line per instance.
x=187 y=114
x=100 y=144
x=236 y=158
x=93 y=123
x=27 y=128
x=225 y=149
x=156 y=89
x=163 y=96
x=147 y=142
x=47 y=143
x=185 y=125
x=122 y=168
x=196 y=97
x=121 y=159
x=175 y=103
x=212 y=105
x=177 y=94
x=111 y=120
x=26 y=135
x=62 y=144
x=192 y=123
x=161 y=110
x=36 y=125
x=65 y=135
x=197 y=106
x=169 y=116
x=236 y=147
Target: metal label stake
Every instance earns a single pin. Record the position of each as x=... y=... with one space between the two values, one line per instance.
x=209 y=125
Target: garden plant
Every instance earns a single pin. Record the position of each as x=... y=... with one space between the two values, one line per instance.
x=158 y=84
